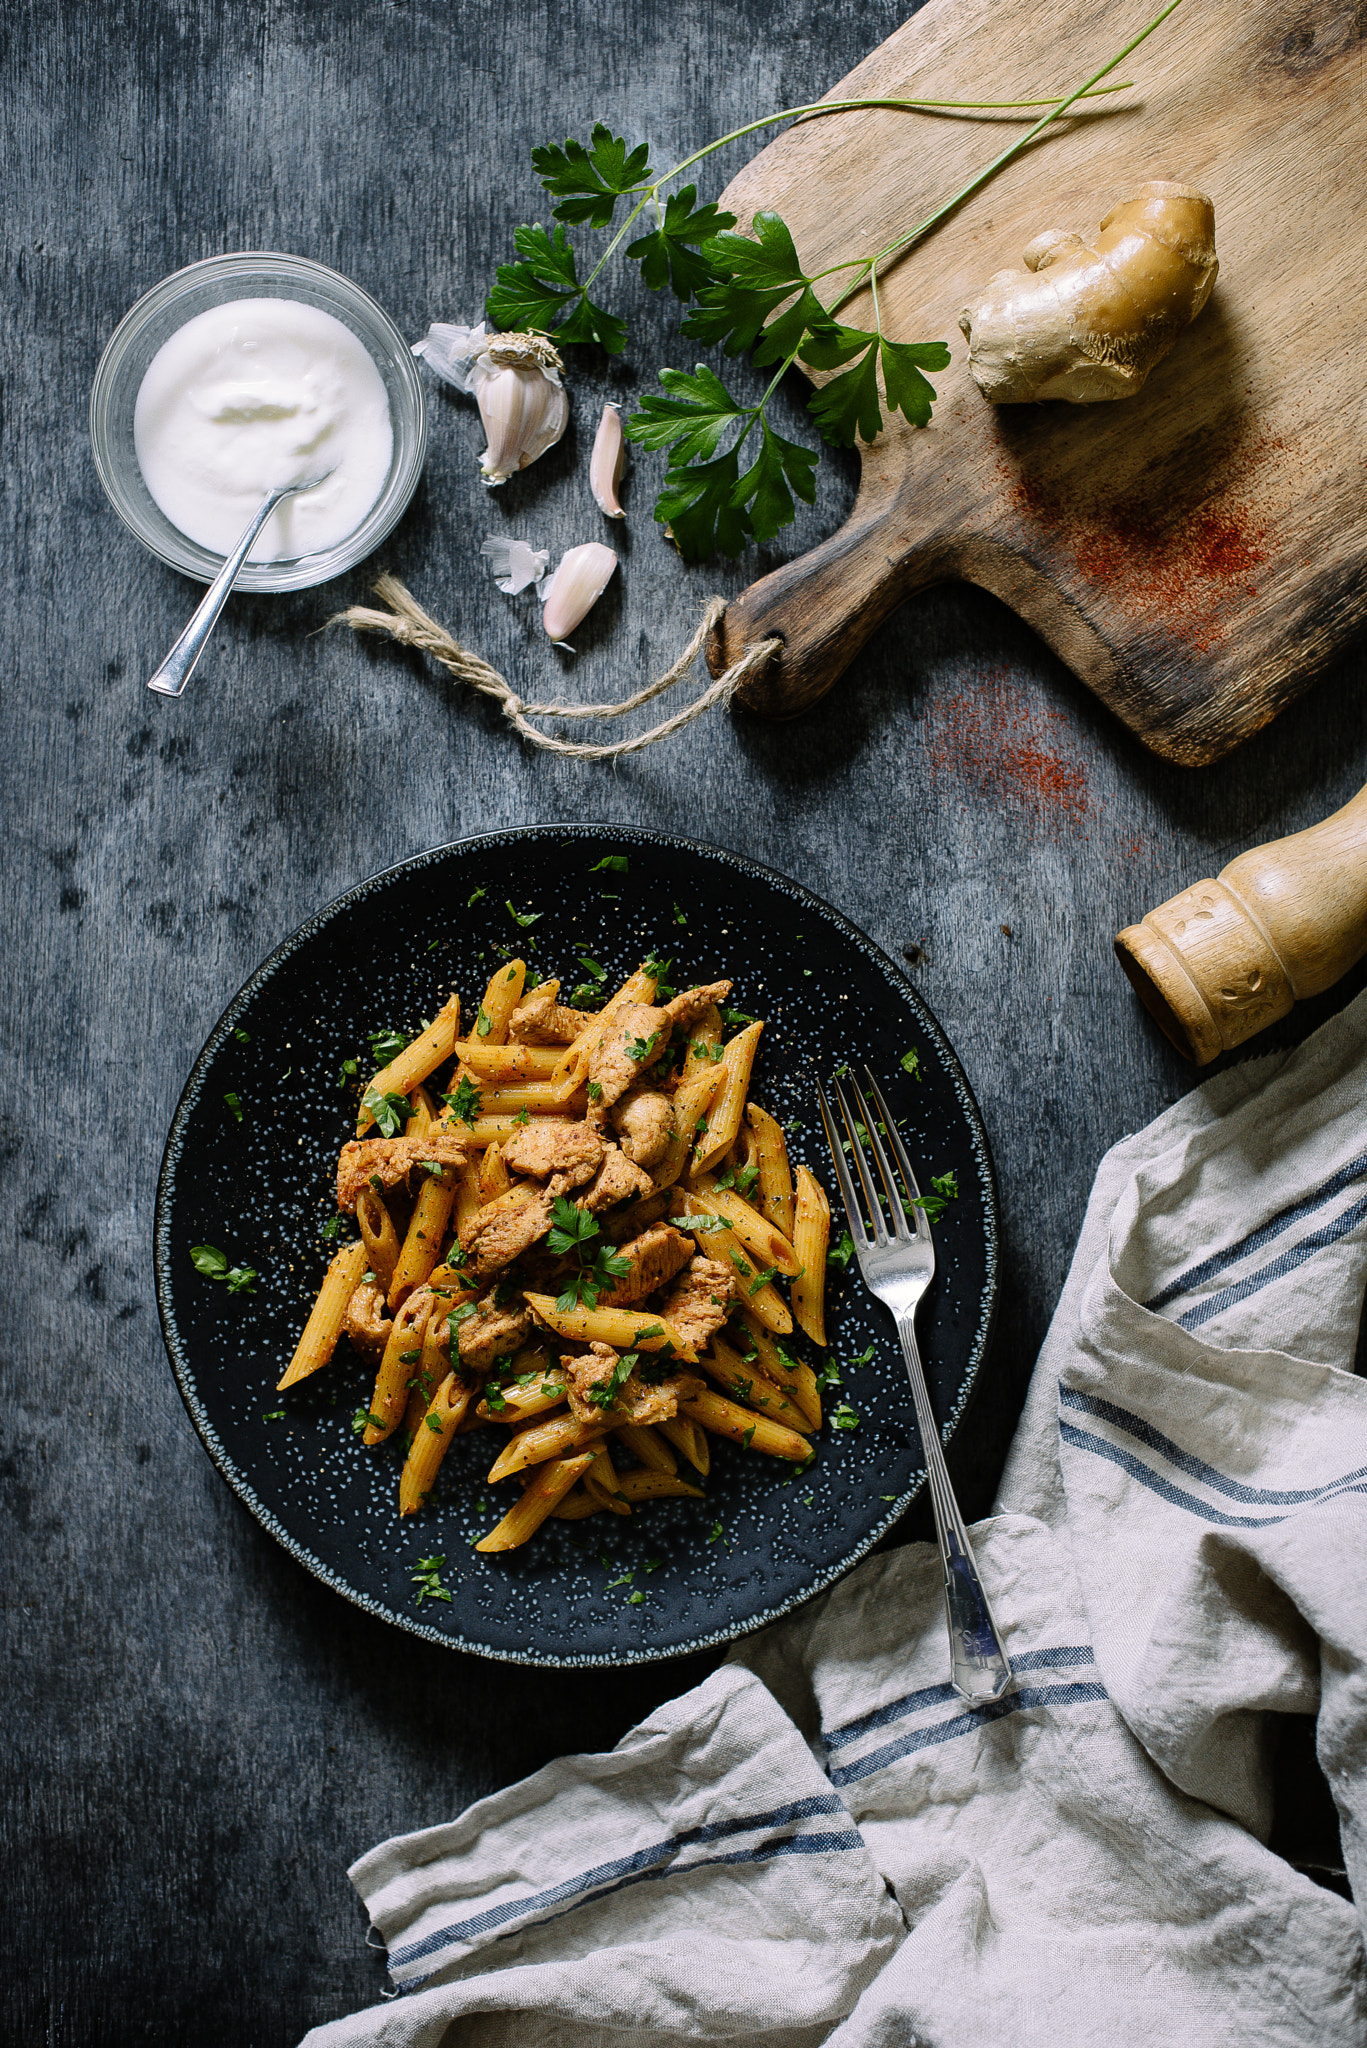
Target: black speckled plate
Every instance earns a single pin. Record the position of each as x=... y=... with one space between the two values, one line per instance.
x=679 y=1574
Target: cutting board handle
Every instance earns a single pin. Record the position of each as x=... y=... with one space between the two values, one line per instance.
x=1227 y=958
x=824 y=605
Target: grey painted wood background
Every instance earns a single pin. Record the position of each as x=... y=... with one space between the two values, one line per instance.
x=197 y=1736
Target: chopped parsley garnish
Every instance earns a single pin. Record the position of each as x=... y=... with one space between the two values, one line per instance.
x=715 y=1533
x=427 y=1578
x=332 y=1229
x=635 y=1599
x=409 y=1357
x=829 y=1375
x=864 y=1358
x=604 y=1394
x=794 y=1123
x=762 y=1279
x=242 y=1037
x=745 y=1270
x=651 y=1330
x=844 y=1417
x=615 y=863
x=741 y=1178
x=574 y=1230
x=641 y=1049
x=652 y=1564
x=523 y=1117
x=523 y=917
x=274 y=1415
x=484 y=1023
x=473 y=898
x=363 y=1420
x=493 y=1399
x=214 y=1266
x=945 y=1188
x=594 y=1091
x=910 y=1063
x=391 y=1112
x=701 y=1051
x=748 y=1436
x=434 y=1424
x=679 y=917
x=589 y=991
x=738 y=1018
x=232 y=1105
x=464 y=1103
x=841 y=1254
x=386 y=1045
x=624 y=1580
x=350 y=1070
x=432 y=1166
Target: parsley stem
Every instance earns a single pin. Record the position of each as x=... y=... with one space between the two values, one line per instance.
x=975 y=184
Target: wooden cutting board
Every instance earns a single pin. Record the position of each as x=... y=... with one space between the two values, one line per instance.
x=1195 y=554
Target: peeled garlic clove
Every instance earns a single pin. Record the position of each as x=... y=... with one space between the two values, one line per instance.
x=606 y=462
x=581 y=577
x=516 y=382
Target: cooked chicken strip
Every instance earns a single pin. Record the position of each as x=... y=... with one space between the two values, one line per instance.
x=366 y=1322
x=490 y=1333
x=644 y=1121
x=700 y=1300
x=503 y=1229
x=540 y=1019
x=391 y=1161
x=655 y=1256
x=631 y=1401
x=571 y=1151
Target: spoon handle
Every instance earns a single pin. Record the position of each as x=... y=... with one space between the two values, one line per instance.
x=174 y=673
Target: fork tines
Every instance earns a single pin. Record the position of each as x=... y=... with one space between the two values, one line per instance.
x=868 y=1131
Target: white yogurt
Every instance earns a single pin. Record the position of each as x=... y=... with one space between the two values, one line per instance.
x=256 y=393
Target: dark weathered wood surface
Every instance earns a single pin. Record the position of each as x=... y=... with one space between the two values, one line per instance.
x=198 y=1737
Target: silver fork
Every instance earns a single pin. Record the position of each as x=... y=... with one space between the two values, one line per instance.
x=898 y=1264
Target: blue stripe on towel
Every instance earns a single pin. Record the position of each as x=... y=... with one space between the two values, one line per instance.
x=941 y=1695
x=625 y=1869
x=1178 y=1497
x=966 y=1723
x=1197 y=1468
x=1285 y=1219
x=1285 y=1262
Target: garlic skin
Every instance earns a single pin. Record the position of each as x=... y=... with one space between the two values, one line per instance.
x=607 y=461
x=581 y=577
x=515 y=381
x=514 y=564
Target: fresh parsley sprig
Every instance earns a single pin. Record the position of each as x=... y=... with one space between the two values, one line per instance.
x=391 y=1112
x=574 y=1231
x=748 y=294
x=213 y=1264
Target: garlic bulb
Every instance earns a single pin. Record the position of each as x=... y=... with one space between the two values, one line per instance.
x=581 y=577
x=515 y=381
x=605 y=464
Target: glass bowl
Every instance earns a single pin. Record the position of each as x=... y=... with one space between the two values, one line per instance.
x=255 y=274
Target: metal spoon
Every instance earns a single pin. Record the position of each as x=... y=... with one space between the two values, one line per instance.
x=174 y=673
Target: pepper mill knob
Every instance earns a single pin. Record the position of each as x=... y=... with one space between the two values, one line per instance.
x=1227 y=958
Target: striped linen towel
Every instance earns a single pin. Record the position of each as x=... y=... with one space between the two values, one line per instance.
x=822 y=1843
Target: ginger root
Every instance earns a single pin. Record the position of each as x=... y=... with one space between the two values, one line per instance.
x=1092 y=321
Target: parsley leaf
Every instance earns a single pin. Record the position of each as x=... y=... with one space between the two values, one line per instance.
x=762 y=1280
x=738 y=1018
x=841 y=1254
x=572 y=1226
x=363 y=1420
x=604 y=1394
x=671 y=255
x=910 y=1063
x=332 y=1229
x=434 y=1423
x=679 y=917
x=844 y=1417
x=233 y=1106
x=589 y=182
x=641 y=1049
x=616 y=863
x=274 y=1415
x=391 y=1112
x=242 y=1037
x=945 y=1188
x=474 y=897
x=386 y=1045
x=545 y=287
x=594 y=1090
x=523 y=917
x=707 y=502
x=427 y=1577
x=213 y=1264
x=484 y=1023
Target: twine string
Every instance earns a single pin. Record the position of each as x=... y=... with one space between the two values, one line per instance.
x=411 y=626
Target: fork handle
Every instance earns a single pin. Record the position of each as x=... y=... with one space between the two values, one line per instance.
x=979 y=1668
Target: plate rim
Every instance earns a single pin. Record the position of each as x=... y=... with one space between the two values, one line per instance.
x=218 y=1035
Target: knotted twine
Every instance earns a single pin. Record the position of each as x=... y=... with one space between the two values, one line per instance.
x=411 y=626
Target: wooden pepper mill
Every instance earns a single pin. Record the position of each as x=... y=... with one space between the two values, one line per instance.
x=1225 y=959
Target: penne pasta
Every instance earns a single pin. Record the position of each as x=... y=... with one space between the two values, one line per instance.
x=637 y=988
x=379 y=1237
x=402 y=1351
x=318 y=1339
x=494 y=1178
x=645 y=1485
x=431 y=1439
x=601 y=1482
x=430 y=1050
x=723 y=1120
x=501 y=998
x=485 y=1130
x=760 y=1237
x=542 y=1440
x=691 y=1103
x=547 y=1098
x=744 y=1426
x=540 y=1499
x=775 y=1188
x=644 y=1443
x=812 y=1232
x=507 y=1062
x=467 y=1203
x=690 y=1439
x=626 y=1329
x=752 y=1388
x=759 y=1294
x=577 y=1506
x=421 y=1247
x=512 y=1403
